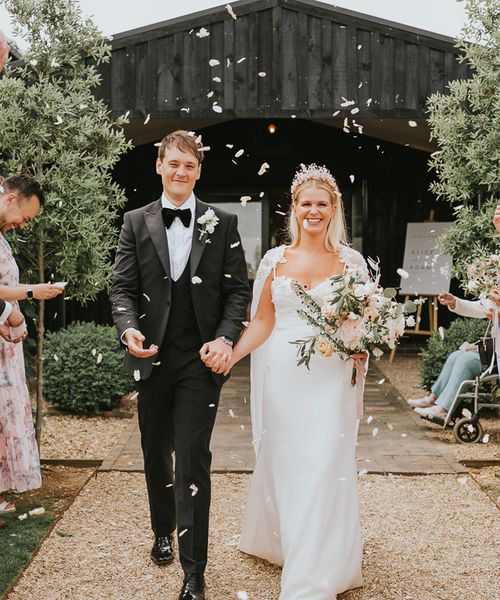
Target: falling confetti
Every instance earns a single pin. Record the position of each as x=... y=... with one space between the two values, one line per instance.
x=263 y=169
x=216 y=108
x=210 y=94
x=368 y=102
x=137 y=375
x=99 y=359
x=146 y=121
x=194 y=489
x=486 y=438
x=363 y=472
x=354 y=111
x=230 y=146
x=56 y=358
x=262 y=74
x=402 y=273
x=241 y=60
x=213 y=62
x=231 y=413
x=245 y=199
x=346 y=102
x=441 y=332
x=337 y=112
x=216 y=79
x=59 y=120
x=147 y=297
x=239 y=153
x=375 y=431
x=227 y=275
x=351 y=177
x=369 y=419
x=202 y=33
x=195 y=280
x=381 y=381
x=467 y=413
x=23 y=516
x=230 y=10
x=182 y=532
x=235 y=245
x=412 y=123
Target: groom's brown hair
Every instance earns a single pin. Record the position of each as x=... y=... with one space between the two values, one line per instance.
x=183 y=140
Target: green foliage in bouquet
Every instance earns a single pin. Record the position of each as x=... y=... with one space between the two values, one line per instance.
x=53 y=128
x=437 y=349
x=466 y=125
x=83 y=368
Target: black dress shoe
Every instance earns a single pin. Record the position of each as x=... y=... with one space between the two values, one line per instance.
x=193 y=587
x=162 y=552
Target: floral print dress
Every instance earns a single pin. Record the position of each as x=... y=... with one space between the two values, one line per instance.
x=19 y=460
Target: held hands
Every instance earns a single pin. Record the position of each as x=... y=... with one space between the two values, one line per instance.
x=359 y=361
x=133 y=338
x=447 y=300
x=217 y=356
x=16 y=318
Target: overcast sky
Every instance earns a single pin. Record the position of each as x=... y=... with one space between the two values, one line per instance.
x=114 y=16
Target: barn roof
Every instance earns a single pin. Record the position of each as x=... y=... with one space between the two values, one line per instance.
x=279 y=58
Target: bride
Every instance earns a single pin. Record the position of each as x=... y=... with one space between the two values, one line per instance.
x=302 y=508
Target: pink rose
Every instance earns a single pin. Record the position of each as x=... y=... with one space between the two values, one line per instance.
x=351 y=333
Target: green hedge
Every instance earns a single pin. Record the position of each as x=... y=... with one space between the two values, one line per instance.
x=438 y=349
x=83 y=368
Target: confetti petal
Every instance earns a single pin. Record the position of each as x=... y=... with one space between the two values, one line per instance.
x=195 y=280
x=263 y=169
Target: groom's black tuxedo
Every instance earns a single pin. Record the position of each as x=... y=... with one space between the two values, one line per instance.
x=2 y=307
x=178 y=394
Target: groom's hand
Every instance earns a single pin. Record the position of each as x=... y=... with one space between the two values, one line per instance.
x=134 y=338
x=216 y=355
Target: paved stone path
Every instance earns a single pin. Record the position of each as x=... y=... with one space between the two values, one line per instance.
x=392 y=439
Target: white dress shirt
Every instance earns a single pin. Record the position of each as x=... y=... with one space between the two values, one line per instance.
x=179 y=237
x=6 y=313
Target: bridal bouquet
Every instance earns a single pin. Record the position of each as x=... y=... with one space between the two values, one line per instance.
x=484 y=276
x=358 y=316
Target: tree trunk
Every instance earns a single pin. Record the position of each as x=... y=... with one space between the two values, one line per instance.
x=39 y=354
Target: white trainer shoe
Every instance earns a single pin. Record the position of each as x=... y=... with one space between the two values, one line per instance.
x=437 y=412
x=424 y=402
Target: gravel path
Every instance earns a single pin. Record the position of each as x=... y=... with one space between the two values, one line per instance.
x=433 y=537
x=66 y=436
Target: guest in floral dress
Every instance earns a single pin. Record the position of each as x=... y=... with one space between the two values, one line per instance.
x=20 y=201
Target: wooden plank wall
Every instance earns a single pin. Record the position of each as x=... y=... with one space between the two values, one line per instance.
x=312 y=58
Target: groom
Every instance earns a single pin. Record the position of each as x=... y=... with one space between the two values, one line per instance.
x=179 y=295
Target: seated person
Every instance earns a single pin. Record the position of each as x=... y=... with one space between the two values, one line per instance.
x=461 y=365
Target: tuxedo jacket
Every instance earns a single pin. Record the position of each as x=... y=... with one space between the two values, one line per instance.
x=141 y=284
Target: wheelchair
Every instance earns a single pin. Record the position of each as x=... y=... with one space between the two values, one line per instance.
x=474 y=395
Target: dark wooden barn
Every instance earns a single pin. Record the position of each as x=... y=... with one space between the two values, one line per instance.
x=288 y=81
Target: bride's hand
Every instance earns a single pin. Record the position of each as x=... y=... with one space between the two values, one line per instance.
x=229 y=366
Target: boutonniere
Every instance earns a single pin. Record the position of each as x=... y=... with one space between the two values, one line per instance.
x=207 y=222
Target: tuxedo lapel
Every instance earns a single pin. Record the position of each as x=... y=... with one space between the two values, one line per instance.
x=156 y=228
x=198 y=246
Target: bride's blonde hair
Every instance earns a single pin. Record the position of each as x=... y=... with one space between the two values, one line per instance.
x=321 y=178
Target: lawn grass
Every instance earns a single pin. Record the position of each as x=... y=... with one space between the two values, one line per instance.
x=19 y=539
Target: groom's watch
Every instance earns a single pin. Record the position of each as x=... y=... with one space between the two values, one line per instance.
x=227 y=339
x=29 y=294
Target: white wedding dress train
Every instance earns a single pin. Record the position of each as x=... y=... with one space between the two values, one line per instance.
x=302 y=508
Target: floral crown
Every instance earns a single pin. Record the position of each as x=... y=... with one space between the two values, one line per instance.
x=312 y=171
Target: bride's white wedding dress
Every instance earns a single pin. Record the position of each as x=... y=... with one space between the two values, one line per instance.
x=302 y=508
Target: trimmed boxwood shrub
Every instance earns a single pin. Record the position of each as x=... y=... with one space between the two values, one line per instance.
x=438 y=349
x=83 y=368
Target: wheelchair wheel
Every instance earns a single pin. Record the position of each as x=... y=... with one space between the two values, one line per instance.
x=467 y=432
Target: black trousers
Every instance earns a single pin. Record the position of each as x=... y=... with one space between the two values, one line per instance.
x=177 y=410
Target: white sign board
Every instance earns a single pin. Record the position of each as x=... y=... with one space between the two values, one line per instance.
x=429 y=271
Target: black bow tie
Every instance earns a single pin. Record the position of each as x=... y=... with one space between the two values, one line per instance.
x=169 y=215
